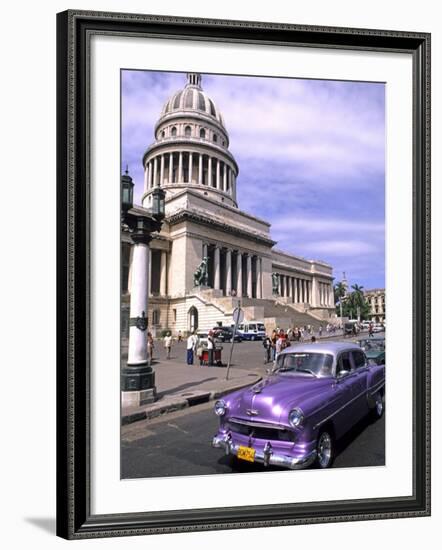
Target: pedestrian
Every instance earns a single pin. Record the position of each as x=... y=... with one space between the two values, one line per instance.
x=180 y=336
x=210 y=347
x=150 y=347
x=370 y=330
x=320 y=331
x=279 y=346
x=191 y=344
x=267 y=343
x=314 y=340
x=274 y=338
x=168 y=344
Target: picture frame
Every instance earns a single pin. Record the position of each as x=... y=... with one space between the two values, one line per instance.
x=75 y=519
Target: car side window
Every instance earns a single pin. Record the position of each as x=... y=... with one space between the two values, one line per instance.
x=344 y=363
x=358 y=359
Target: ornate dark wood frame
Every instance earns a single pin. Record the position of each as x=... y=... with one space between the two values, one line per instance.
x=74 y=519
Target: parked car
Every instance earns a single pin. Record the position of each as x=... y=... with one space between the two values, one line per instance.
x=252 y=330
x=378 y=327
x=225 y=334
x=374 y=349
x=315 y=394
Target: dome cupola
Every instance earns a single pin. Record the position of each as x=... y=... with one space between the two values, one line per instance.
x=191 y=148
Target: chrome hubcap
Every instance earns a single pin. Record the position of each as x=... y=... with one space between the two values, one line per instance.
x=324 y=450
x=379 y=405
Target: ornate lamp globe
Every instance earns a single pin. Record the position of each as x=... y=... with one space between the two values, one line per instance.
x=127 y=192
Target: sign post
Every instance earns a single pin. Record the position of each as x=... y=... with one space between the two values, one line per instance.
x=238 y=317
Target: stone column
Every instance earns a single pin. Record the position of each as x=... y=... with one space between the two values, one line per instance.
x=205 y=251
x=259 y=278
x=228 y=272
x=216 y=269
x=218 y=175
x=146 y=177
x=155 y=170
x=149 y=272
x=209 y=168
x=170 y=167
x=180 y=167
x=224 y=177
x=249 y=276
x=315 y=292
x=239 y=274
x=331 y=301
x=137 y=354
x=200 y=168
x=190 y=167
x=162 y=170
x=163 y=273
x=302 y=291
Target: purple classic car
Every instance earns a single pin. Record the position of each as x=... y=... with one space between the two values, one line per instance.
x=315 y=393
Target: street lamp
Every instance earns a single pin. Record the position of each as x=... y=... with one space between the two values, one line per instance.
x=137 y=376
x=127 y=192
x=158 y=203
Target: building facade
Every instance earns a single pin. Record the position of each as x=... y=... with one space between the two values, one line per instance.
x=191 y=161
x=376 y=299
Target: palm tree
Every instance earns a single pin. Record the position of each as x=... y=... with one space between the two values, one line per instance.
x=340 y=291
x=357 y=298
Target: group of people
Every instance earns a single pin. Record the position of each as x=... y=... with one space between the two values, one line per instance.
x=195 y=349
x=279 y=340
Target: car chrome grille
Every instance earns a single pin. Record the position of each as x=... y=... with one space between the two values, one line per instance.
x=260 y=431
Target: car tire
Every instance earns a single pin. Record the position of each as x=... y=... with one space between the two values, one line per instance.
x=325 y=449
x=379 y=406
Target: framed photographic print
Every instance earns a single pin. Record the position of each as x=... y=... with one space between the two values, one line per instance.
x=243 y=235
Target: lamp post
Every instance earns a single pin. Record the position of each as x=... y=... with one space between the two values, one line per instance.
x=137 y=376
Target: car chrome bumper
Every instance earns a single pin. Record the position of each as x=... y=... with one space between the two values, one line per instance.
x=267 y=456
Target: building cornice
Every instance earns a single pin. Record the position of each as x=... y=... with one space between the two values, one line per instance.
x=188 y=215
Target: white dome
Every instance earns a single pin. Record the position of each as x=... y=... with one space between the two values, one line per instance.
x=192 y=98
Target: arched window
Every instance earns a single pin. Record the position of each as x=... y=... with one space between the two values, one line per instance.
x=163 y=134
x=215 y=138
x=202 y=133
x=173 y=131
x=187 y=131
x=192 y=319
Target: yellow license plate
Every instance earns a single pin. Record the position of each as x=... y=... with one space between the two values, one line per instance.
x=246 y=453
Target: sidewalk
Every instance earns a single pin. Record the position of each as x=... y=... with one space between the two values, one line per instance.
x=180 y=385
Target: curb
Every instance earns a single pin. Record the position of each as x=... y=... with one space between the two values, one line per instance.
x=176 y=403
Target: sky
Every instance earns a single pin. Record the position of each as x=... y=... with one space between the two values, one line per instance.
x=311 y=156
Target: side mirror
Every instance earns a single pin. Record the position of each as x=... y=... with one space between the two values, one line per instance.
x=342 y=374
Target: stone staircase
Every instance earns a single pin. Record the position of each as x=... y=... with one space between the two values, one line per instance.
x=283 y=315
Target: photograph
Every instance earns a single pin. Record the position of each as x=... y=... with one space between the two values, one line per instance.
x=252 y=262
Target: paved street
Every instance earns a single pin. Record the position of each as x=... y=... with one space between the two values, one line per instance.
x=179 y=443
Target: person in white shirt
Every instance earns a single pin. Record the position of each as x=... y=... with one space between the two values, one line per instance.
x=210 y=347
x=191 y=344
x=168 y=344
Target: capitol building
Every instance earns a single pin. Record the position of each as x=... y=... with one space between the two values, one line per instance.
x=191 y=161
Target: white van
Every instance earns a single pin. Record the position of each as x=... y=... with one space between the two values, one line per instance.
x=252 y=330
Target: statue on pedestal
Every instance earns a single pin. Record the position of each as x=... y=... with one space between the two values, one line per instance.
x=275 y=283
x=201 y=275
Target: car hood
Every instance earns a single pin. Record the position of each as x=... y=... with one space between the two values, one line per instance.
x=273 y=398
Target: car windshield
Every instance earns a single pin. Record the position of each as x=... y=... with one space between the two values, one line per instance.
x=375 y=345
x=261 y=327
x=316 y=364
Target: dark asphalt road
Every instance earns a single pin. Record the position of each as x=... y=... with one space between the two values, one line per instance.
x=180 y=444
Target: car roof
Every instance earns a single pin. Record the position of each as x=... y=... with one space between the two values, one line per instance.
x=332 y=348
